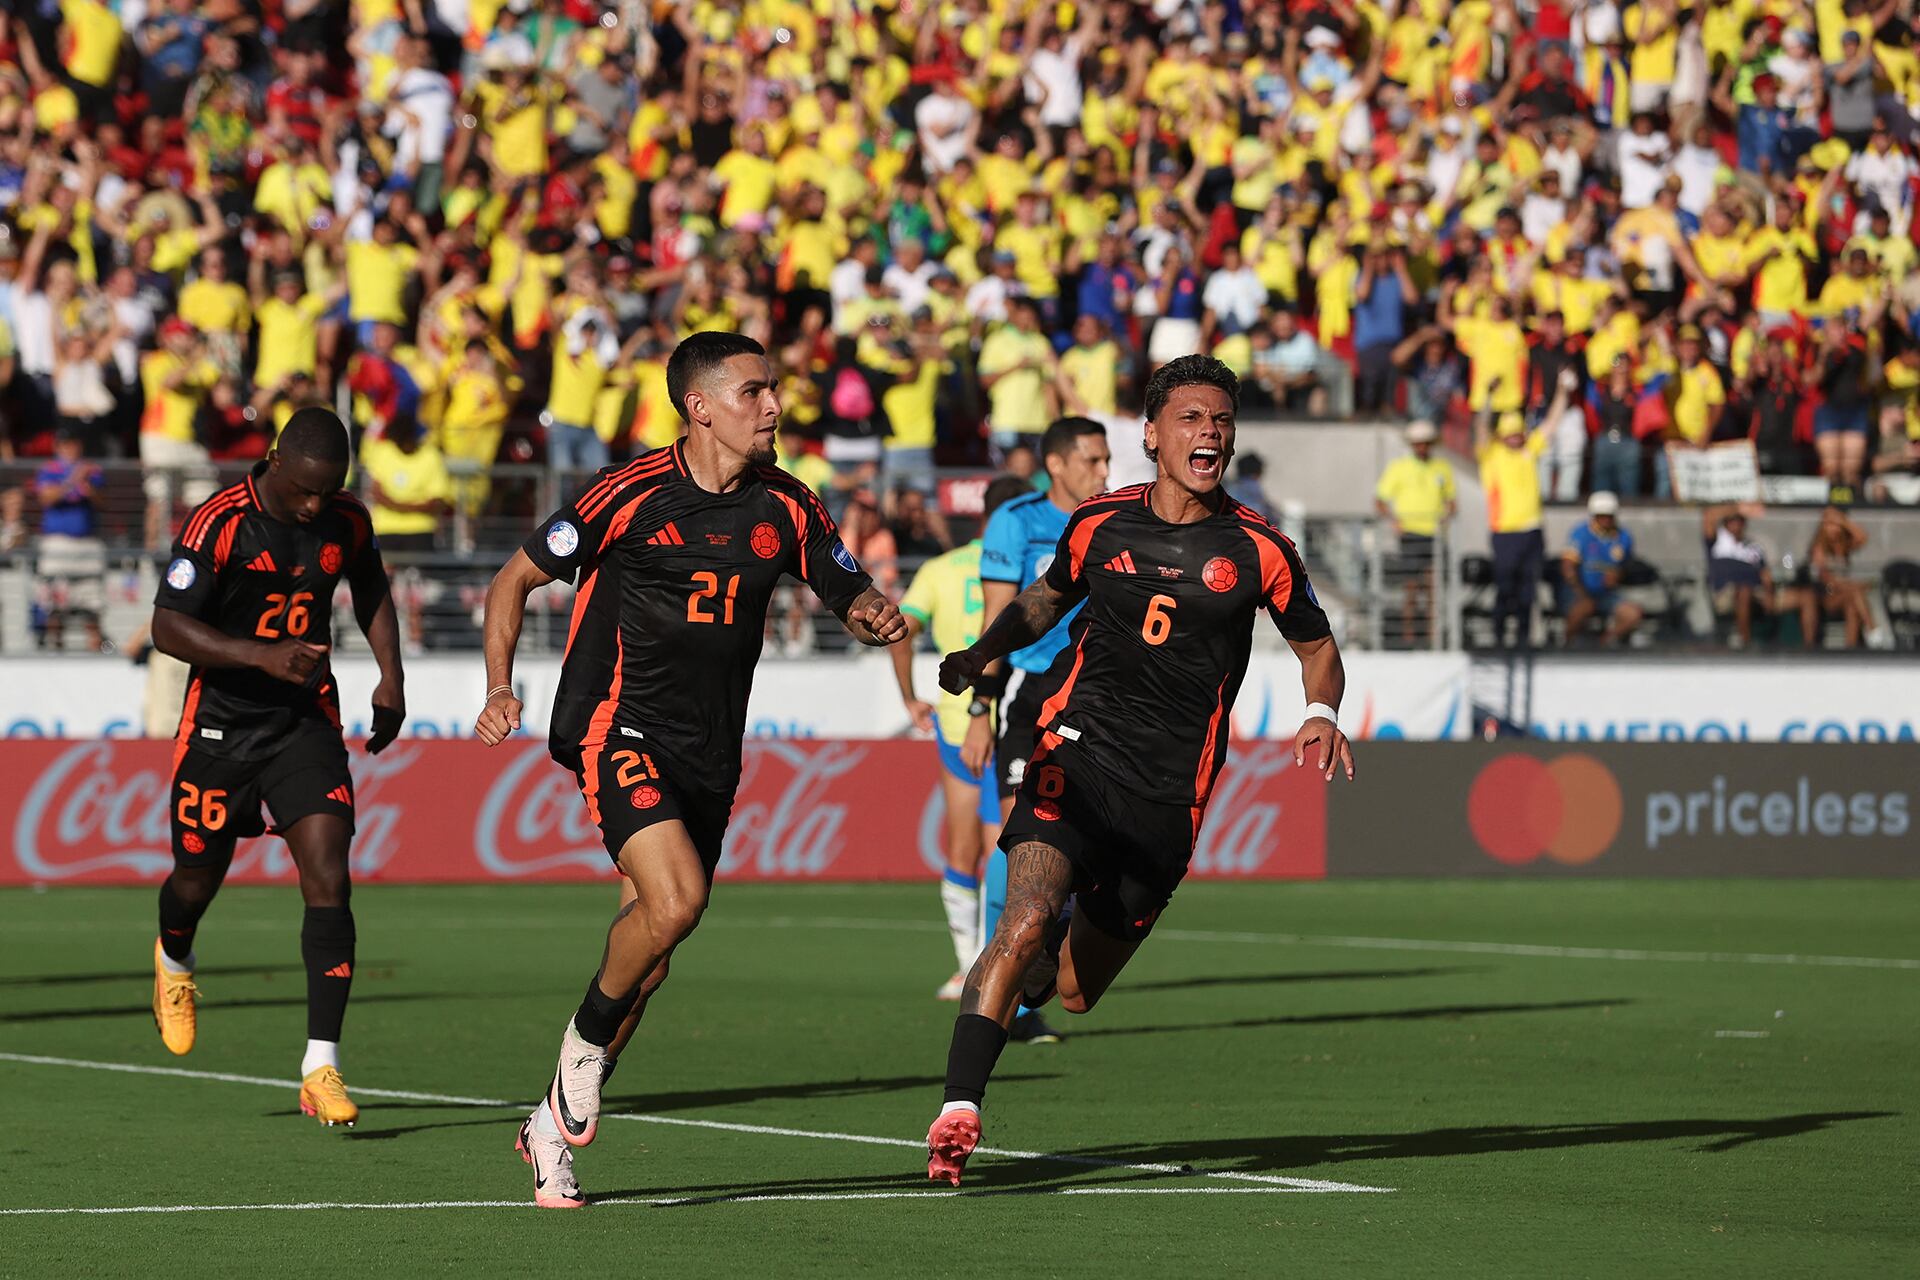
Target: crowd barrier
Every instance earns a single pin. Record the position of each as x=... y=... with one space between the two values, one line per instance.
x=96 y=812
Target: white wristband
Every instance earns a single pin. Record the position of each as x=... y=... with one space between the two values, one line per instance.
x=1321 y=711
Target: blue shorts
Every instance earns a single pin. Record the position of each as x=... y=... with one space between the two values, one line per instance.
x=1829 y=418
x=950 y=760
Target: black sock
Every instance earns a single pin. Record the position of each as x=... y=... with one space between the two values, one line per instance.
x=977 y=1043
x=178 y=921
x=600 y=1015
x=326 y=944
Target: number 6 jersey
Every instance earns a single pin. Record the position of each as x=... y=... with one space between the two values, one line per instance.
x=253 y=577
x=1158 y=654
x=673 y=584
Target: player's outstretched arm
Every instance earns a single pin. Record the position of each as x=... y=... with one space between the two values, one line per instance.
x=1031 y=615
x=1325 y=680
x=200 y=644
x=506 y=612
x=873 y=619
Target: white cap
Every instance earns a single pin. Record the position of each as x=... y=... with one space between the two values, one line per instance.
x=1322 y=38
x=1603 y=503
x=1420 y=431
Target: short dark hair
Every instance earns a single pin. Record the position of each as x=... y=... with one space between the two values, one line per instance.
x=1189 y=371
x=314 y=433
x=1003 y=490
x=1061 y=435
x=700 y=355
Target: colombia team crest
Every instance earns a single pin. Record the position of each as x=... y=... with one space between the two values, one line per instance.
x=765 y=541
x=1219 y=574
x=645 y=797
x=330 y=558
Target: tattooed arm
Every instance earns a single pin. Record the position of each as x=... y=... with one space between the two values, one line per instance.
x=1032 y=614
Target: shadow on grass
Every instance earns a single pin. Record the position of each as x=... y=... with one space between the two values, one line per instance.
x=1287 y=1155
x=146 y=975
x=275 y=1002
x=660 y=1103
x=1381 y=1015
x=1272 y=979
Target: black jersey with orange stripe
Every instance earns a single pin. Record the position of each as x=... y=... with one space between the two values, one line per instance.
x=672 y=589
x=253 y=577
x=1158 y=654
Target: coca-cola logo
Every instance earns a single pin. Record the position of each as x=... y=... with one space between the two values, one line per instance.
x=1243 y=821
x=792 y=826
x=83 y=816
x=531 y=821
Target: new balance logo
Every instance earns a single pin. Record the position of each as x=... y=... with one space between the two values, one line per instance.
x=667 y=537
x=341 y=970
x=1122 y=563
x=341 y=794
x=263 y=563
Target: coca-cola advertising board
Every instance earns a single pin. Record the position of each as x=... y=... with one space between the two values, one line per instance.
x=96 y=812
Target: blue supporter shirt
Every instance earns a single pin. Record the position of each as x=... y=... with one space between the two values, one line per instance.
x=1379 y=319
x=1017 y=547
x=1599 y=556
x=68 y=514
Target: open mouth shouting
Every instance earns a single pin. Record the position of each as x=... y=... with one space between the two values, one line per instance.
x=1204 y=462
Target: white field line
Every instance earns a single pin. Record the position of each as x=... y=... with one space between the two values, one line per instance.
x=1741 y=1035
x=663 y=1202
x=1440 y=945
x=1274 y=1181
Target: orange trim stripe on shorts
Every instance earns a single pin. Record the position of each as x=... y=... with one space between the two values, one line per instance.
x=184 y=736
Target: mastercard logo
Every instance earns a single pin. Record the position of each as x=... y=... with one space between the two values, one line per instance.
x=1521 y=807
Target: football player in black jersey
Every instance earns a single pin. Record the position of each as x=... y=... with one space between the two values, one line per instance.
x=674 y=557
x=1173 y=574
x=247 y=602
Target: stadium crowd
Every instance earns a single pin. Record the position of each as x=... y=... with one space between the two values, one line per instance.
x=487 y=224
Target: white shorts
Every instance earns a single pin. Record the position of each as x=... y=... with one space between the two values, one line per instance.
x=169 y=462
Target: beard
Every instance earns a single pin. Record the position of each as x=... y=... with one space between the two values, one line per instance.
x=761 y=453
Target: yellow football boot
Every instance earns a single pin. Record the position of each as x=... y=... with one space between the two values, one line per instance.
x=173 y=999
x=323 y=1095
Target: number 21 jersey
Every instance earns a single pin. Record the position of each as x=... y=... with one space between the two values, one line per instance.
x=673 y=585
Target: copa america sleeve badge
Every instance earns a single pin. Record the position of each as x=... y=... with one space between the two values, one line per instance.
x=181 y=574
x=563 y=539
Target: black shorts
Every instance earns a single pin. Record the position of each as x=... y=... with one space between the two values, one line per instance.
x=1128 y=853
x=1020 y=726
x=215 y=800
x=629 y=786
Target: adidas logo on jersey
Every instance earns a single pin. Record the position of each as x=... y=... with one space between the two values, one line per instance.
x=669 y=536
x=263 y=563
x=1122 y=563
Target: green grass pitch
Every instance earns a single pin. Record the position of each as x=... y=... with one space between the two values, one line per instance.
x=1640 y=1086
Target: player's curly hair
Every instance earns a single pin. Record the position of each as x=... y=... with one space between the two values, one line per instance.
x=1187 y=371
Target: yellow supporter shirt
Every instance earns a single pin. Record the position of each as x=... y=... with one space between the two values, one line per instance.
x=1698 y=391
x=909 y=406
x=1843 y=292
x=377 y=280
x=749 y=180
x=518 y=127
x=1018 y=399
x=420 y=476
x=1781 y=284
x=945 y=599
x=291 y=194
x=1497 y=349
x=1511 y=478
x=170 y=411
x=289 y=338
x=1334 y=291
x=655 y=421
x=1273 y=259
x=1651 y=61
x=214 y=308
x=1094 y=373
x=1417 y=493
x=1720 y=256
x=576 y=382
x=1577 y=301
x=613 y=212
x=1036 y=255
x=89 y=41
x=1619 y=336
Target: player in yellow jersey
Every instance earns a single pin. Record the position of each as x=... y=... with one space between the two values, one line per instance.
x=945 y=601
